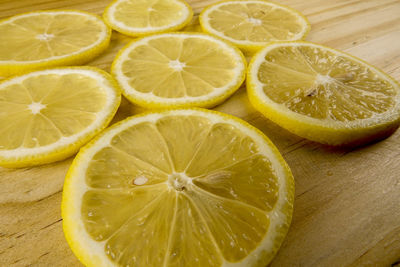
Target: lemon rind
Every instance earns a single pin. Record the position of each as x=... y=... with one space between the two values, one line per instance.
x=55 y=152
x=147 y=100
x=326 y=132
x=138 y=32
x=8 y=68
x=249 y=46
x=80 y=241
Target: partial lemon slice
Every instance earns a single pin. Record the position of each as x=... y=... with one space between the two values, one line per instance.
x=50 y=38
x=178 y=188
x=48 y=115
x=251 y=24
x=144 y=17
x=179 y=70
x=323 y=94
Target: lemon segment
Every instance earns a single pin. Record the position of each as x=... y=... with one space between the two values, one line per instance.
x=179 y=70
x=144 y=17
x=323 y=94
x=251 y=24
x=47 y=115
x=174 y=204
x=50 y=38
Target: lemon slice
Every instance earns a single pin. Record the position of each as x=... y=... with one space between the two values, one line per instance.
x=144 y=17
x=179 y=70
x=251 y=24
x=323 y=94
x=178 y=188
x=47 y=115
x=50 y=38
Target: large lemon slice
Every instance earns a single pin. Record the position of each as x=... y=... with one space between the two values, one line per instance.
x=179 y=70
x=50 y=38
x=323 y=94
x=251 y=24
x=144 y=17
x=178 y=188
x=48 y=115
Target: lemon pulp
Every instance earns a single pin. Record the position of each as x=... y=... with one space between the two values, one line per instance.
x=143 y=17
x=50 y=38
x=52 y=111
x=184 y=188
x=315 y=87
x=319 y=84
x=191 y=70
x=252 y=24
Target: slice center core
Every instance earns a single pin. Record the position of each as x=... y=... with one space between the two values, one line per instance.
x=255 y=21
x=323 y=79
x=177 y=65
x=45 y=37
x=179 y=181
x=36 y=107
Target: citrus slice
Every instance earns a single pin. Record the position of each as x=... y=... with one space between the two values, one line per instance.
x=48 y=115
x=144 y=17
x=179 y=70
x=251 y=24
x=184 y=187
x=323 y=94
x=50 y=38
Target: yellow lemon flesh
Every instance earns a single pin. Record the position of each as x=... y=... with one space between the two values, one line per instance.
x=251 y=24
x=144 y=17
x=178 y=188
x=48 y=115
x=50 y=38
x=323 y=94
x=179 y=70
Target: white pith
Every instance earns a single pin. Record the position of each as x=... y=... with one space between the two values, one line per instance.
x=93 y=251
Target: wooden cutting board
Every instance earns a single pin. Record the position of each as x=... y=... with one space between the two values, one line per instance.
x=347 y=206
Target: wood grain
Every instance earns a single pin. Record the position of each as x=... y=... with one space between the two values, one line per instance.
x=347 y=201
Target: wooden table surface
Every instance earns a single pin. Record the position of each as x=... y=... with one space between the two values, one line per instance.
x=347 y=205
